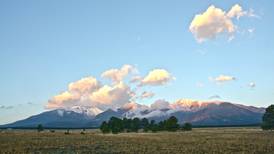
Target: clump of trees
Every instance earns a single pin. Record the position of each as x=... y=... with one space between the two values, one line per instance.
x=268 y=118
x=116 y=125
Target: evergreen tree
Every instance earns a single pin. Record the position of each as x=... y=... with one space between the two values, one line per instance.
x=152 y=122
x=105 y=127
x=116 y=125
x=172 y=124
x=187 y=127
x=145 y=124
x=135 y=124
x=128 y=125
x=153 y=126
x=268 y=118
x=162 y=125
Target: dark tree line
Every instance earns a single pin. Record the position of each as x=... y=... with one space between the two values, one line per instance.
x=116 y=125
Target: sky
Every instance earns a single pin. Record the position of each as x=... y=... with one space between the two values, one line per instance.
x=107 y=53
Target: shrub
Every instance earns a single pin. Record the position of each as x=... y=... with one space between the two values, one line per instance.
x=83 y=131
x=67 y=132
x=40 y=128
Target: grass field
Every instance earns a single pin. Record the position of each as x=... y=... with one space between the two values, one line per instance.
x=200 y=140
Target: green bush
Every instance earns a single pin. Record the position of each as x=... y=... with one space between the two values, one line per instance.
x=67 y=132
x=40 y=128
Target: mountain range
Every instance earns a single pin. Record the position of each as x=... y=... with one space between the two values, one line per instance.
x=210 y=113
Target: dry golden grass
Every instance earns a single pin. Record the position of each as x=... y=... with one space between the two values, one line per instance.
x=210 y=140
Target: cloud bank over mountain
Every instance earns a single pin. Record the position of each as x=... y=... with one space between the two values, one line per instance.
x=92 y=93
x=127 y=89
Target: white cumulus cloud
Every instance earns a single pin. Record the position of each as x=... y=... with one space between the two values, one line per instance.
x=157 y=77
x=85 y=85
x=112 y=96
x=215 y=21
x=117 y=75
x=236 y=11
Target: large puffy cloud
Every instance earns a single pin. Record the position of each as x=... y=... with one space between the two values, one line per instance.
x=157 y=77
x=63 y=100
x=77 y=94
x=85 y=85
x=215 y=21
x=111 y=97
x=91 y=94
x=117 y=75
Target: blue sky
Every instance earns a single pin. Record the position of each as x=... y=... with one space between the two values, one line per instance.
x=45 y=45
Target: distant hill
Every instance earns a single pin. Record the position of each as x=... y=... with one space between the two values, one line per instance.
x=198 y=113
x=57 y=118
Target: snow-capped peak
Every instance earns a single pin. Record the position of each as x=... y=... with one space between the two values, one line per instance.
x=90 y=111
x=60 y=112
x=191 y=105
x=134 y=106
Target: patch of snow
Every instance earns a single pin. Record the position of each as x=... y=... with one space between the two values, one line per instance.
x=60 y=113
x=89 y=111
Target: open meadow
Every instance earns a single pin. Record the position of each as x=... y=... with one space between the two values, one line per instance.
x=200 y=140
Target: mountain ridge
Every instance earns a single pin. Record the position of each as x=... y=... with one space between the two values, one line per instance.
x=214 y=113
